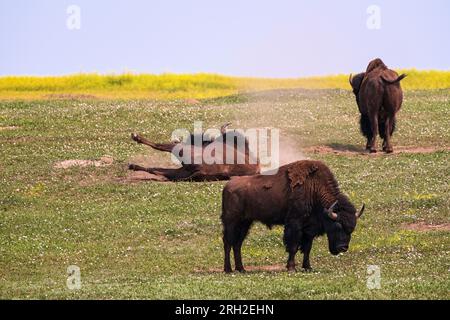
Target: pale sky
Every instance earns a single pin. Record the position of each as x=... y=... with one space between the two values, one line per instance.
x=280 y=38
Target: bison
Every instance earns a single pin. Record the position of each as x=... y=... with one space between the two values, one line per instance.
x=303 y=196
x=228 y=142
x=379 y=97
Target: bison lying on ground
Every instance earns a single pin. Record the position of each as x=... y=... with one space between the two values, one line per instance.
x=303 y=196
x=226 y=144
x=379 y=97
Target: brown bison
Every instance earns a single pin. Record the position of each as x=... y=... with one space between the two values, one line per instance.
x=379 y=97
x=303 y=196
x=226 y=144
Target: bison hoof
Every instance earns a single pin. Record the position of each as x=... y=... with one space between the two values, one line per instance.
x=291 y=269
x=227 y=270
x=373 y=150
x=135 y=137
x=307 y=270
x=389 y=150
x=241 y=270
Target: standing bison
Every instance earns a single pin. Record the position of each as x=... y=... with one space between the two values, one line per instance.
x=303 y=196
x=379 y=97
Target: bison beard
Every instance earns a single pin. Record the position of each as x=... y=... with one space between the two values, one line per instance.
x=379 y=97
x=303 y=196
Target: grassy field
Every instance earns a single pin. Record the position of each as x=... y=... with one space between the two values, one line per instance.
x=163 y=240
x=173 y=86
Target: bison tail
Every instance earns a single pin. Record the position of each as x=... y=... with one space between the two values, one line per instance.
x=366 y=128
x=400 y=78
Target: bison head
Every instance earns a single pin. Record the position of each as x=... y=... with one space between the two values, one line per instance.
x=355 y=82
x=339 y=223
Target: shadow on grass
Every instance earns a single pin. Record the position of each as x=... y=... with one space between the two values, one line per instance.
x=341 y=147
x=276 y=268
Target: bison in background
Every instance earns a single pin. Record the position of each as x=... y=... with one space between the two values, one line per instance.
x=379 y=97
x=303 y=196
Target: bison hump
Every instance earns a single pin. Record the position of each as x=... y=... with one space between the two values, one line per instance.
x=300 y=171
x=374 y=64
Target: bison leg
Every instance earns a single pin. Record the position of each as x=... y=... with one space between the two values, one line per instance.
x=387 y=133
x=228 y=240
x=165 y=147
x=306 y=249
x=238 y=257
x=233 y=236
x=179 y=174
x=242 y=231
x=136 y=167
x=366 y=129
x=227 y=250
x=292 y=237
x=372 y=146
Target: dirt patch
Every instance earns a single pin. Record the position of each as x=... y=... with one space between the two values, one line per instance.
x=425 y=227
x=137 y=176
x=9 y=128
x=192 y=101
x=353 y=150
x=102 y=162
x=267 y=268
x=70 y=96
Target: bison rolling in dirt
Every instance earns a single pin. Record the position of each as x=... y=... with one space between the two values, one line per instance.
x=228 y=143
x=379 y=97
x=303 y=196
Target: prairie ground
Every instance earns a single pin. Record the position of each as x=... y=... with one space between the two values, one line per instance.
x=163 y=240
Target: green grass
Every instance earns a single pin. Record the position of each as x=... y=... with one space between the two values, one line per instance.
x=163 y=240
x=182 y=86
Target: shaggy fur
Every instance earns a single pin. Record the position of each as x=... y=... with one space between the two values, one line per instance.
x=365 y=126
x=295 y=197
x=379 y=97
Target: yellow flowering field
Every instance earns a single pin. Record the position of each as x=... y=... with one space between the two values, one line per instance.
x=183 y=86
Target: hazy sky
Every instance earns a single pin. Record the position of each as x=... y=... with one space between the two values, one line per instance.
x=248 y=38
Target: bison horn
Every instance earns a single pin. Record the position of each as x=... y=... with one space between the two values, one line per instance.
x=332 y=215
x=358 y=215
x=330 y=212
x=224 y=127
x=350 y=79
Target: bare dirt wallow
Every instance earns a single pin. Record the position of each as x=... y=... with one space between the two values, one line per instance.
x=426 y=227
x=102 y=162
